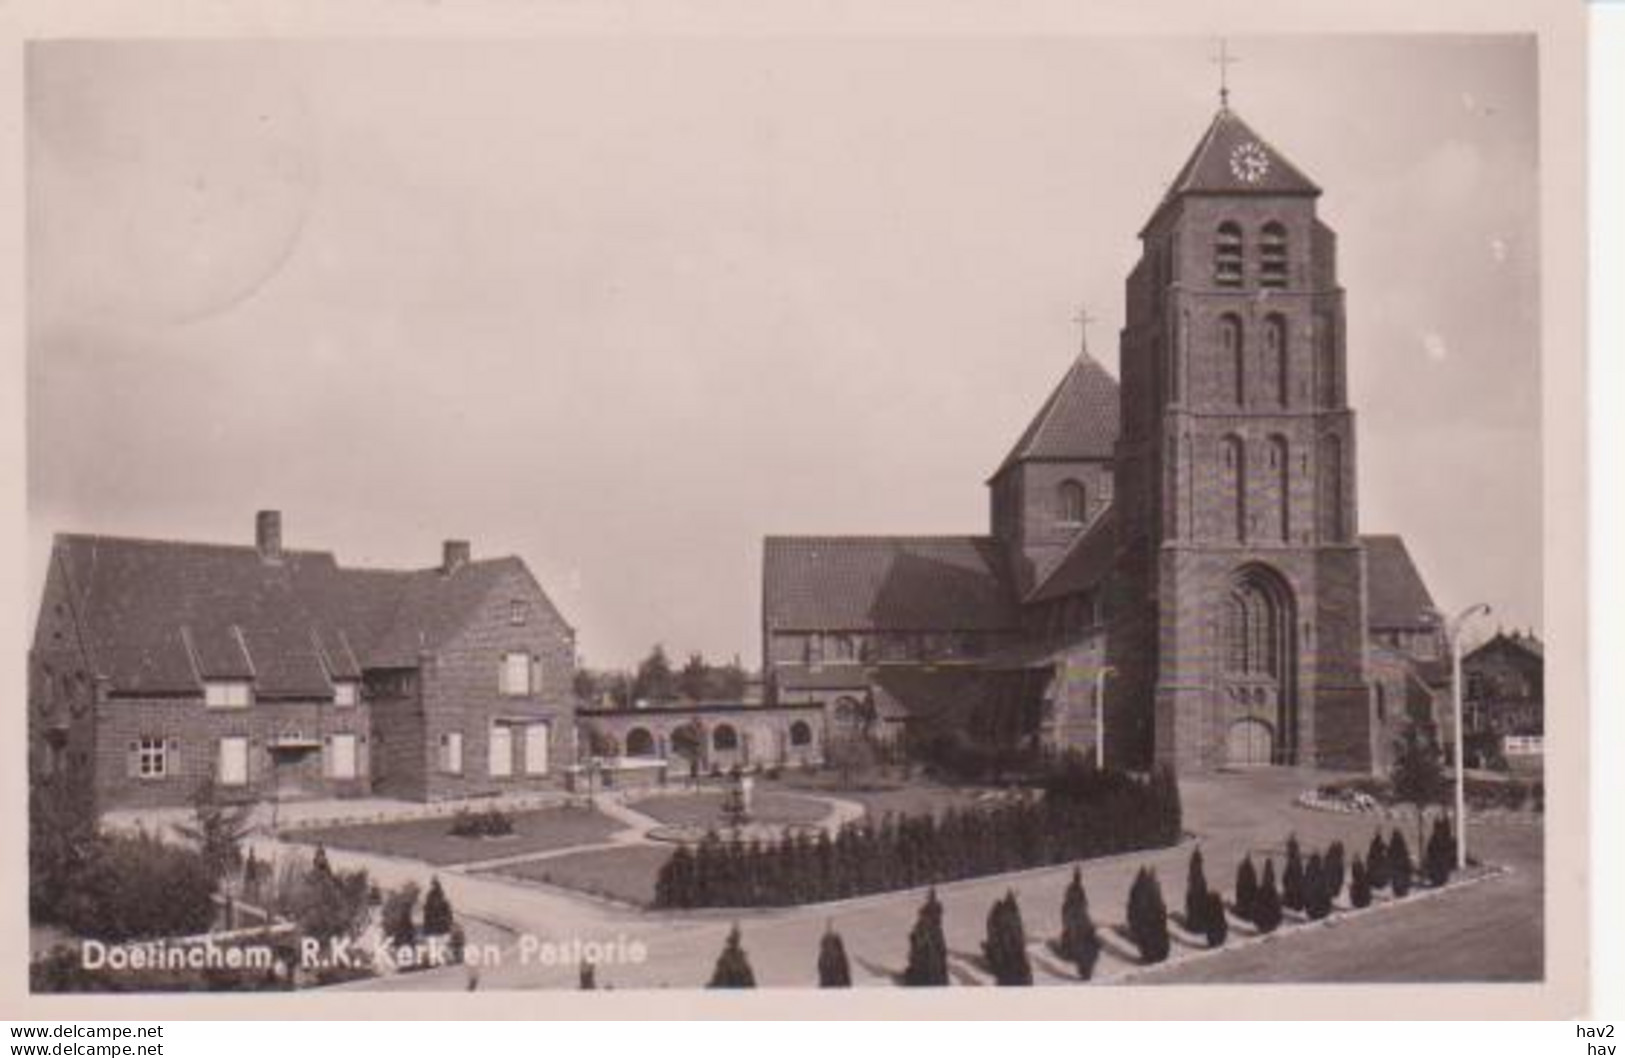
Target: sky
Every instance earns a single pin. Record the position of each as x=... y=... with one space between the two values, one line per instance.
x=623 y=306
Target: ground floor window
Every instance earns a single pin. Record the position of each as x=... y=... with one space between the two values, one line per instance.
x=451 y=753
x=536 y=746
x=501 y=751
x=232 y=766
x=341 y=757
x=150 y=758
x=800 y=734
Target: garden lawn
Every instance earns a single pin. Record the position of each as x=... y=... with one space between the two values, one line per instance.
x=432 y=841
x=880 y=795
x=627 y=874
x=705 y=809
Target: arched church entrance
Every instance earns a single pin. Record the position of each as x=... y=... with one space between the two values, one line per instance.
x=1260 y=661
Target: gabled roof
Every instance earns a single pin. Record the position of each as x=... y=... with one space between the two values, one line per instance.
x=901 y=583
x=1078 y=421
x=1513 y=642
x=160 y=616
x=1085 y=564
x=1396 y=596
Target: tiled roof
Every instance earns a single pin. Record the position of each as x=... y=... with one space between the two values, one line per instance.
x=1085 y=564
x=1515 y=642
x=824 y=678
x=1222 y=157
x=160 y=615
x=903 y=583
x=1078 y=421
x=1396 y=594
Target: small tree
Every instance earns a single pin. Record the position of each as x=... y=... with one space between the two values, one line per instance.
x=1292 y=877
x=217 y=829
x=1005 y=948
x=1418 y=776
x=1080 y=942
x=437 y=916
x=1359 y=885
x=587 y=976
x=1439 y=861
x=834 y=971
x=1267 y=909
x=1400 y=867
x=1317 y=898
x=927 y=947
x=318 y=862
x=1246 y=888
x=733 y=965
x=395 y=920
x=1335 y=870
x=1376 y=863
x=1217 y=927
x=1196 y=902
x=1148 y=917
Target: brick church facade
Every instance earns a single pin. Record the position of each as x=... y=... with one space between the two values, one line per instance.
x=280 y=674
x=1175 y=563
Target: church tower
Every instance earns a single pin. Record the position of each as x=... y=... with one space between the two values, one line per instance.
x=1241 y=569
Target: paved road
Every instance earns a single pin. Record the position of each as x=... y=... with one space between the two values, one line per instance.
x=1487 y=932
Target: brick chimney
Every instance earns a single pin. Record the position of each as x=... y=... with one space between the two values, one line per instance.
x=454 y=554
x=268 y=535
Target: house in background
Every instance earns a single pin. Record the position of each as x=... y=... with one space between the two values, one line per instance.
x=280 y=674
x=1504 y=697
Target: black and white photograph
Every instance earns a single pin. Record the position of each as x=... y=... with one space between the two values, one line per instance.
x=642 y=513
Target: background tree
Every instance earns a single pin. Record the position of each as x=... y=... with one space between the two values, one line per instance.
x=1080 y=942
x=1267 y=908
x=1292 y=877
x=62 y=841
x=834 y=971
x=927 y=947
x=1246 y=888
x=437 y=915
x=1376 y=862
x=733 y=965
x=692 y=680
x=1400 y=867
x=1418 y=776
x=1005 y=948
x=395 y=920
x=217 y=829
x=1359 y=885
x=654 y=681
x=853 y=755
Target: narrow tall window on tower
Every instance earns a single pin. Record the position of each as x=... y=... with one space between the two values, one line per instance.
x=1326 y=360
x=1281 y=486
x=1234 y=493
x=1071 y=502
x=1332 y=528
x=1272 y=256
x=1227 y=255
x=1233 y=356
x=1276 y=358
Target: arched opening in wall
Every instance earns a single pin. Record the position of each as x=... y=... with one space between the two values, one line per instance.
x=1332 y=527
x=1071 y=502
x=1277 y=359
x=1280 y=469
x=800 y=734
x=1227 y=255
x=640 y=743
x=1232 y=355
x=1233 y=488
x=1259 y=657
x=1181 y=358
x=724 y=738
x=1272 y=256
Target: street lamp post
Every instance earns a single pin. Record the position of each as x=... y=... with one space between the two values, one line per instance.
x=1100 y=715
x=1452 y=635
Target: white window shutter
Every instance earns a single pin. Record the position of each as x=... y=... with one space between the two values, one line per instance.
x=132 y=760
x=172 y=757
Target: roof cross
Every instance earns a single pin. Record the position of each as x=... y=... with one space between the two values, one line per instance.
x=1224 y=60
x=1083 y=320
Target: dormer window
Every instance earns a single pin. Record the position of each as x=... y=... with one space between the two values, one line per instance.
x=1071 y=503
x=1272 y=257
x=1227 y=256
x=345 y=692
x=227 y=694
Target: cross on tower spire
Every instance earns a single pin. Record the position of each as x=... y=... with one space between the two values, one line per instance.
x=1224 y=60
x=1083 y=320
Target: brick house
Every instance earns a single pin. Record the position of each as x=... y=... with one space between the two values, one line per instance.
x=1174 y=565
x=1505 y=686
x=280 y=674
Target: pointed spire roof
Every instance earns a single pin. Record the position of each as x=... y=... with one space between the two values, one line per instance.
x=1078 y=421
x=1232 y=159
